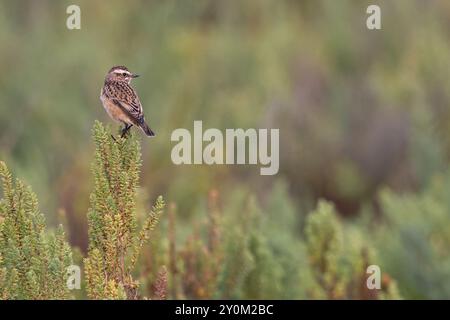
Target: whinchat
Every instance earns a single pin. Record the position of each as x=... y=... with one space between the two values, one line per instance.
x=121 y=101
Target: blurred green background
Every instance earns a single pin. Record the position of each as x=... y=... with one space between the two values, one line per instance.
x=363 y=116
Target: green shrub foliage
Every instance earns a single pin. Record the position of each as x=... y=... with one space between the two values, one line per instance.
x=273 y=252
x=337 y=263
x=358 y=112
x=114 y=239
x=414 y=241
x=33 y=262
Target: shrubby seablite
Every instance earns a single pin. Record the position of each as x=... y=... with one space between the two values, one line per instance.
x=320 y=257
x=114 y=239
x=33 y=262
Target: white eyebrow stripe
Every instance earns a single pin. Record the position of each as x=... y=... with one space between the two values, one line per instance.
x=121 y=71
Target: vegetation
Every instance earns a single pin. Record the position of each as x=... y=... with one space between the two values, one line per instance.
x=213 y=263
x=364 y=150
x=33 y=263
x=114 y=241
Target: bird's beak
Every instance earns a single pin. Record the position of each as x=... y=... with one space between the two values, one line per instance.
x=134 y=75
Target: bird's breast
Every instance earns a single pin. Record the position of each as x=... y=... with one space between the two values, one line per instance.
x=115 y=112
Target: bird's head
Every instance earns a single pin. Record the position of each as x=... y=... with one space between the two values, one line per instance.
x=120 y=73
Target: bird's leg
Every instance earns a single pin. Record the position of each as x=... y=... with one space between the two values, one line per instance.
x=125 y=130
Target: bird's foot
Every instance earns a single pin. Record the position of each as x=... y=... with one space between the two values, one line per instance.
x=125 y=131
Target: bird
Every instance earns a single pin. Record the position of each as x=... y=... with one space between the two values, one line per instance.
x=121 y=101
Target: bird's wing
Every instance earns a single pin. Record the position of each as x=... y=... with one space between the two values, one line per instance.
x=126 y=98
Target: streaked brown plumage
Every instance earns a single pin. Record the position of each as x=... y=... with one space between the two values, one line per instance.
x=121 y=101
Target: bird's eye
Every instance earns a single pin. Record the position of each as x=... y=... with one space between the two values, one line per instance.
x=124 y=74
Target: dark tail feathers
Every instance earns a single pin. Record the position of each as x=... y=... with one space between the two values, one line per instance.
x=147 y=129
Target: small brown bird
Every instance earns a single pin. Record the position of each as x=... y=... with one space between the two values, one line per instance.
x=121 y=101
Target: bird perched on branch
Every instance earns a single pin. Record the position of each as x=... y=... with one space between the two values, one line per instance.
x=121 y=101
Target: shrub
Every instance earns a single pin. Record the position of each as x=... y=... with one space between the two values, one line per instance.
x=413 y=240
x=272 y=252
x=33 y=262
x=223 y=259
x=338 y=257
x=114 y=240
